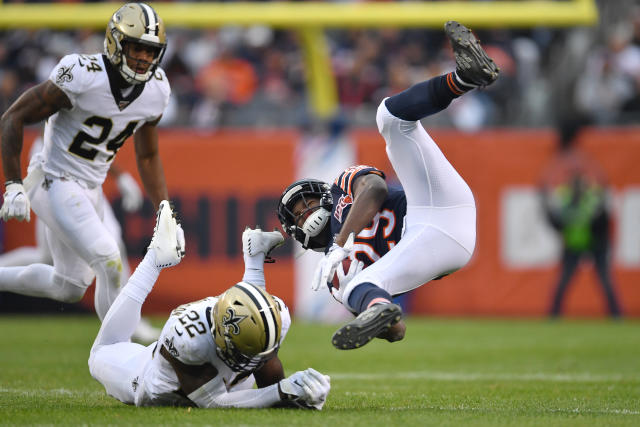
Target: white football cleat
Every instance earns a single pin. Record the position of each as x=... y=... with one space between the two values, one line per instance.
x=166 y=242
x=255 y=241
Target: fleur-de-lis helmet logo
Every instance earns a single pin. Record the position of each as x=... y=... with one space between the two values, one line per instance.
x=231 y=321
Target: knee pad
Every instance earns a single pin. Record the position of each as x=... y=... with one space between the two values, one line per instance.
x=70 y=290
x=109 y=268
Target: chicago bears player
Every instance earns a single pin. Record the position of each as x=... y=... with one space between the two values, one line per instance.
x=210 y=352
x=91 y=104
x=405 y=237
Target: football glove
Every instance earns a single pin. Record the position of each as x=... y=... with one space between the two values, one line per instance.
x=306 y=389
x=344 y=279
x=132 y=198
x=16 y=203
x=327 y=265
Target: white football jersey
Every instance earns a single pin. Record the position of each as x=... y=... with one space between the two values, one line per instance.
x=81 y=142
x=187 y=336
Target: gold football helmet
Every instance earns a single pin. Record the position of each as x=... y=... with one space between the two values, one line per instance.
x=247 y=327
x=134 y=23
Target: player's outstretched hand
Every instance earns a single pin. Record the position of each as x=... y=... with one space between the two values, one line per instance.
x=16 y=203
x=326 y=268
x=307 y=389
x=168 y=238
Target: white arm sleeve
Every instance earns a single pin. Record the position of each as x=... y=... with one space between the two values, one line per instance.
x=209 y=396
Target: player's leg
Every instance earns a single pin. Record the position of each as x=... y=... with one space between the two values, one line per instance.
x=256 y=246
x=424 y=253
x=76 y=217
x=27 y=255
x=145 y=332
x=114 y=361
x=67 y=281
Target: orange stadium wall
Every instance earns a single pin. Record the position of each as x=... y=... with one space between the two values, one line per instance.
x=224 y=180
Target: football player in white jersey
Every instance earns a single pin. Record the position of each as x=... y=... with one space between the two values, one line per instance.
x=210 y=352
x=403 y=237
x=91 y=104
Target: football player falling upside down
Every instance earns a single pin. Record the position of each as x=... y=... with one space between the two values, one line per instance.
x=402 y=238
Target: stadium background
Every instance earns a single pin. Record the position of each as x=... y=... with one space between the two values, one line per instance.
x=228 y=153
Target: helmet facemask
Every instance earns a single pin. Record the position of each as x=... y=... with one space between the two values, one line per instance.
x=312 y=226
x=247 y=327
x=135 y=24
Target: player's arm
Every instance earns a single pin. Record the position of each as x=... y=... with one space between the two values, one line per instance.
x=369 y=193
x=149 y=165
x=198 y=383
x=270 y=373
x=33 y=106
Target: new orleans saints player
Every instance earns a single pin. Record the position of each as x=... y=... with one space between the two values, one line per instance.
x=91 y=104
x=210 y=352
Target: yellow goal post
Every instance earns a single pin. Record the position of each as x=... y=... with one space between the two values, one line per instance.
x=310 y=19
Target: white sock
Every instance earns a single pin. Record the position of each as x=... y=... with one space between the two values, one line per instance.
x=124 y=314
x=143 y=278
x=254 y=270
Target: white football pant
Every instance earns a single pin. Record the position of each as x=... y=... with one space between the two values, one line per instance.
x=439 y=230
x=80 y=244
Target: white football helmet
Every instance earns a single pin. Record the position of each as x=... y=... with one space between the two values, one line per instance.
x=134 y=23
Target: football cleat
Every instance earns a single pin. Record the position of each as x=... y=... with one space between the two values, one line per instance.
x=473 y=65
x=166 y=242
x=255 y=241
x=374 y=321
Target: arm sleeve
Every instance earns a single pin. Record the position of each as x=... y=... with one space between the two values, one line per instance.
x=209 y=396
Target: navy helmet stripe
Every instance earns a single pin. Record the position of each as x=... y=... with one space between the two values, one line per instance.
x=150 y=18
x=270 y=322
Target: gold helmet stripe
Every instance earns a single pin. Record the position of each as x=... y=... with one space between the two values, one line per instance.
x=266 y=311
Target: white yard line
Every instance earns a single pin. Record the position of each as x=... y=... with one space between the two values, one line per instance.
x=472 y=376
x=51 y=392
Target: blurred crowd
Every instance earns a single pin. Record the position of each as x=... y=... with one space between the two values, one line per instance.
x=236 y=76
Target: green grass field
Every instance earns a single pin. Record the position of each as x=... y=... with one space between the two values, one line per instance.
x=446 y=372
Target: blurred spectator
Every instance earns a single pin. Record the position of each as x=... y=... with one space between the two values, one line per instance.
x=610 y=79
x=573 y=191
x=236 y=76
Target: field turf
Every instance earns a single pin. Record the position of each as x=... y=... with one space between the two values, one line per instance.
x=449 y=372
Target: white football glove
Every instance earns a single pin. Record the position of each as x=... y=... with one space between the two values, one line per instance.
x=307 y=389
x=344 y=278
x=132 y=198
x=327 y=265
x=16 y=203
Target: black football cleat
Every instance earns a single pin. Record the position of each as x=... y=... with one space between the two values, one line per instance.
x=372 y=322
x=473 y=65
